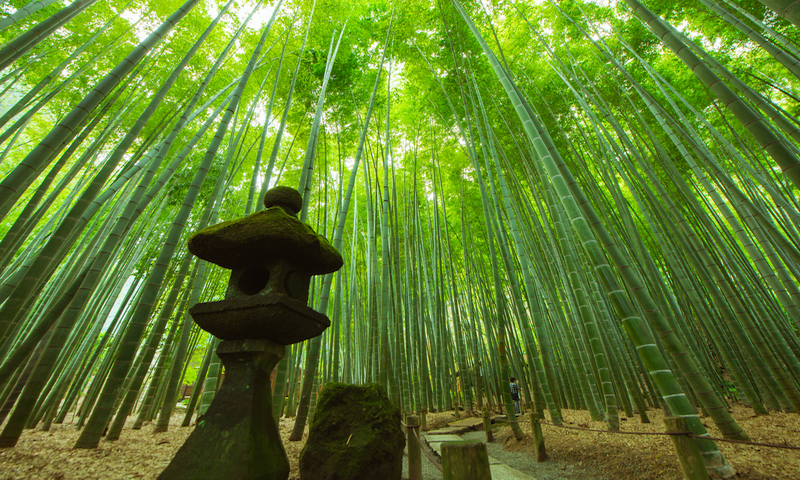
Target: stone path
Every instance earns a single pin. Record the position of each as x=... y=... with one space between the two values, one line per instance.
x=452 y=433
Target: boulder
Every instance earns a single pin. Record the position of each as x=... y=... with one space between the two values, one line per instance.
x=355 y=434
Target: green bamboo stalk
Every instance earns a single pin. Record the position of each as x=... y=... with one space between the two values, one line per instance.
x=578 y=210
x=315 y=344
x=16 y=48
x=90 y=436
x=23 y=12
x=785 y=8
x=21 y=177
x=779 y=152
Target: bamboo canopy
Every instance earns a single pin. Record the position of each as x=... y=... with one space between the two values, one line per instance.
x=598 y=198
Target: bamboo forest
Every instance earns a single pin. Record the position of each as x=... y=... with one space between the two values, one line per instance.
x=599 y=198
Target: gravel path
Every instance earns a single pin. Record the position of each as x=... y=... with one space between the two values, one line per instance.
x=429 y=470
x=552 y=469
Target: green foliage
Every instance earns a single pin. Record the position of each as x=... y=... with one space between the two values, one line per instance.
x=437 y=142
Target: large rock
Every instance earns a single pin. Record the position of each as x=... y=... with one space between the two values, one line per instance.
x=355 y=434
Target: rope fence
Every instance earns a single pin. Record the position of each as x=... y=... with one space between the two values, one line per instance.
x=688 y=434
x=423 y=449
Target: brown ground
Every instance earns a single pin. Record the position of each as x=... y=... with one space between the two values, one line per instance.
x=142 y=454
x=138 y=454
x=652 y=457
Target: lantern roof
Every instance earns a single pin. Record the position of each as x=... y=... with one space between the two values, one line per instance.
x=266 y=236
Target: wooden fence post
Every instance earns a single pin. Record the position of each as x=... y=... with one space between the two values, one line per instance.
x=487 y=426
x=688 y=453
x=414 y=454
x=538 y=438
x=465 y=461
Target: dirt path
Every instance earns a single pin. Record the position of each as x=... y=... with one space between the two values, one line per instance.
x=521 y=461
x=552 y=469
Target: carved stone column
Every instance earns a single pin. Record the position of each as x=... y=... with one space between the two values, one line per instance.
x=237 y=437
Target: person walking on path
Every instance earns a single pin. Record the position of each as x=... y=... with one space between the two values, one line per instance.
x=515 y=393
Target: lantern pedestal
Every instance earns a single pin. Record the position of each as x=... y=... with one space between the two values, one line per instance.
x=237 y=437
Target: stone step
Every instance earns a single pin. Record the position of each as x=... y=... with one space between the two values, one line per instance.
x=450 y=431
x=436 y=441
x=472 y=422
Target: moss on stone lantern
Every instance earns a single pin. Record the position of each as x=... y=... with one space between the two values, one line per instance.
x=272 y=256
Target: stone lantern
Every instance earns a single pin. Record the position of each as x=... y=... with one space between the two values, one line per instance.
x=272 y=256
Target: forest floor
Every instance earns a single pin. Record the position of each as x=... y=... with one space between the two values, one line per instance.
x=613 y=456
x=574 y=454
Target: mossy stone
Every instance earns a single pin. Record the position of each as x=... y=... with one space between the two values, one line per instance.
x=286 y=197
x=262 y=237
x=355 y=434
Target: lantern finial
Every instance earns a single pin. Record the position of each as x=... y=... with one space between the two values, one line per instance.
x=285 y=197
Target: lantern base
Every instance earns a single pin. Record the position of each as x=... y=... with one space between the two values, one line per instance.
x=237 y=437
